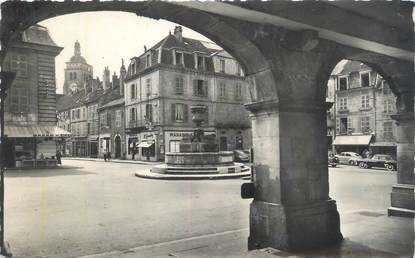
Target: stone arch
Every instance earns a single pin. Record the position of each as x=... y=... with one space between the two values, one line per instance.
x=16 y=17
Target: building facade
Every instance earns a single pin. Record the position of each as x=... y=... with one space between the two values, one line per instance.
x=166 y=80
x=111 y=128
x=81 y=111
x=364 y=105
x=30 y=108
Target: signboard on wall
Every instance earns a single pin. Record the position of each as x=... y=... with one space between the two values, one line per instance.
x=173 y=138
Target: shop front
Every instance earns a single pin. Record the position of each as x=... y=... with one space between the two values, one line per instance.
x=104 y=144
x=32 y=146
x=93 y=146
x=132 y=146
x=79 y=147
x=148 y=148
x=384 y=148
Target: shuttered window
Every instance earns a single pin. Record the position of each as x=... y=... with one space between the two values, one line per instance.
x=200 y=88
x=179 y=112
x=179 y=85
x=149 y=113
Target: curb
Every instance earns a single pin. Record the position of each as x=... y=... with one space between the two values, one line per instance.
x=115 y=161
x=151 y=175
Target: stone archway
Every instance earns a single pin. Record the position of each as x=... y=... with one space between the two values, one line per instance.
x=292 y=208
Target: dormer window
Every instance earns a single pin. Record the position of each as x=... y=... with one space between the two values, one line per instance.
x=200 y=63
x=132 y=68
x=343 y=83
x=365 y=79
x=178 y=58
x=222 y=65
x=148 y=60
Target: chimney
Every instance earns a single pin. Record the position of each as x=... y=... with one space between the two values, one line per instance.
x=145 y=48
x=178 y=33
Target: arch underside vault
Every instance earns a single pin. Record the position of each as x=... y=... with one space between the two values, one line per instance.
x=288 y=69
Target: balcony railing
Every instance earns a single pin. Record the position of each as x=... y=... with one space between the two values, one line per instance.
x=136 y=123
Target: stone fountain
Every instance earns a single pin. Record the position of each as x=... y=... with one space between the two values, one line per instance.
x=198 y=157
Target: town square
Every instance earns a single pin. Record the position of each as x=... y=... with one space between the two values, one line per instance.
x=207 y=129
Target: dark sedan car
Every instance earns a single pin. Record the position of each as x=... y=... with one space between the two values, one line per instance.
x=378 y=160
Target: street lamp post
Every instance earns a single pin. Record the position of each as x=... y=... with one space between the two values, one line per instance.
x=6 y=82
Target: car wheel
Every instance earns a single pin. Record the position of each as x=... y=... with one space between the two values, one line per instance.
x=363 y=165
x=352 y=163
x=390 y=167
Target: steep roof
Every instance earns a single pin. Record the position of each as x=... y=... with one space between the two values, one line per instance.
x=66 y=102
x=115 y=102
x=351 y=67
x=39 y=35
x=188 y=44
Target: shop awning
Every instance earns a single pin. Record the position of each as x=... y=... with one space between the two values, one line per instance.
x=145 y=144
x=27 y=131
x=383 y=144
x=353 y=140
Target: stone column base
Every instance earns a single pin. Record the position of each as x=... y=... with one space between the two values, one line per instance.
x=402 y=201
x=293 y=228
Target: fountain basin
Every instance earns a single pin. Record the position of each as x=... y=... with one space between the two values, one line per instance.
x=199 y=158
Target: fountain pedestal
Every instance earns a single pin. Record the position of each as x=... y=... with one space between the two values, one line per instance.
x=198 y=157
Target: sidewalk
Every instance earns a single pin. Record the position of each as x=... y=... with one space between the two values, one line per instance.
x=378 y=237
x=115 y=160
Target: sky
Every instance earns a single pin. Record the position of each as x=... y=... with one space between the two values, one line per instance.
x=106 y=38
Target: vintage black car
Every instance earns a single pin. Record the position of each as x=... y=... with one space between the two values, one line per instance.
x=378 y=160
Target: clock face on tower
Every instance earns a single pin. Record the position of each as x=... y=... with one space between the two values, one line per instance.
x=73 y=87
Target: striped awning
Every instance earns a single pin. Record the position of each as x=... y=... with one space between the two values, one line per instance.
x=27 y=131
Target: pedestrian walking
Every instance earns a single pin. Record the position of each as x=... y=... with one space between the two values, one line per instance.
x=109 y=156
x=105 y=156
x=58 y=157
x=133 y=153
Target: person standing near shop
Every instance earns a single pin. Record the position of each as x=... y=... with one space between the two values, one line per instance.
x=109 y=156
x=58 y=157
x=133 y=152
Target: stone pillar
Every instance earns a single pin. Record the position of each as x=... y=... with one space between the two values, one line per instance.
x=402 y=196
x=291 y=209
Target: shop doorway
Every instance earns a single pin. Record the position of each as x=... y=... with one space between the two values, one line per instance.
x=117 y=147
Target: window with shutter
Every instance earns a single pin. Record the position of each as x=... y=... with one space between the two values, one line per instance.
x=200 y=88
x=205 y=89
x=179 y=85
x=185 y=113
x=149 y=113
x=222 y=90
x=173 y=112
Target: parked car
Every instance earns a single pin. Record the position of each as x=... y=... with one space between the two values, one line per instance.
x=391 y=165
x=240 y=156
x=332 y=160
x=348 y=157
x=378 y=160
